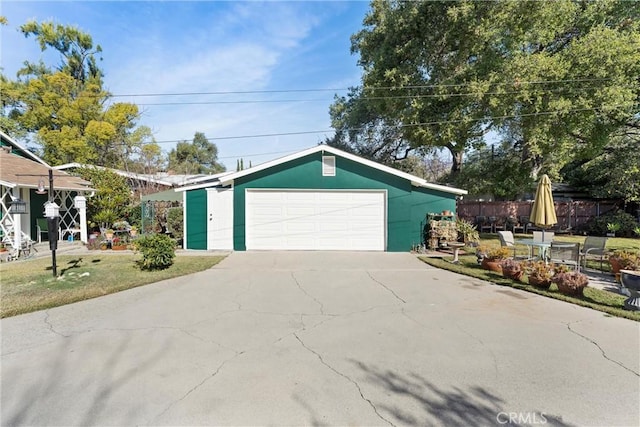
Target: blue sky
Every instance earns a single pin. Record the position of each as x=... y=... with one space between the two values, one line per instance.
x=210 y=46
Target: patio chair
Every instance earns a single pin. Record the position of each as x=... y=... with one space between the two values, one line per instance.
x=524 y=220
x=507 y=240
x=515 y=225
x=547 y=236
x=565 y=253
x=593 y=248
x=42 y=226
x=499 y=224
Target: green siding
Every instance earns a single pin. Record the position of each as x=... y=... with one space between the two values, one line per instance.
x=407 y=206
x=196 y=213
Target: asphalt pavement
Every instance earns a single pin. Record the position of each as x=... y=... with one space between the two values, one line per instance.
x=320 y=338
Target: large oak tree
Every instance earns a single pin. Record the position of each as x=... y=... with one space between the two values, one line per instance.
x=553 y=79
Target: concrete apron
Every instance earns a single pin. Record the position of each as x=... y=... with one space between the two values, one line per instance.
x=323 y=338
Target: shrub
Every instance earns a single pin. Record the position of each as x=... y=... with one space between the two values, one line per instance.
x=175 y=222
x=598 y=226
x=511 y=269
x=158 y=251
x=571 y=282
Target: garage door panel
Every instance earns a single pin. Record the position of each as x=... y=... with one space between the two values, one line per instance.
x=315 y=220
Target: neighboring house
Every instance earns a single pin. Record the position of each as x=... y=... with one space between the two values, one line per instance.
x=321 y=198
x=21 y=174
x=142 y=184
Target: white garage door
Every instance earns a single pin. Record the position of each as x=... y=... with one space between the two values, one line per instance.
x=315 y=220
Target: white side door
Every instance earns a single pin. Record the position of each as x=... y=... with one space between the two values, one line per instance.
x=220 y=218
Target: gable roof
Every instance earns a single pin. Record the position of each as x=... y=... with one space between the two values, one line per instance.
x=8 y=141
x=17 y=171
x=415 y=180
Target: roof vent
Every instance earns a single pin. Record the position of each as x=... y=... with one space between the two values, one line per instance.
x=328 y=166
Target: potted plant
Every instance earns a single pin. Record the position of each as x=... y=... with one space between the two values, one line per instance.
x=612 y=227
x=571 y=282
x=467 y=232
x=623 y=259
x=491 y=257
x=511 y=269
x=121 y=225
x=119 y=244
x=108 y=234
x=133 y=231
x=539 y=273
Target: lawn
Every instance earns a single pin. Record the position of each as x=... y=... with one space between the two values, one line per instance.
x=28 y=286
x=597 y=299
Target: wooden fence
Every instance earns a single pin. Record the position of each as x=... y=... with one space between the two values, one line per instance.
x=571 y=214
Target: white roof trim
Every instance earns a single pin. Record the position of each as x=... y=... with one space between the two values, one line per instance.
x=8 y=184
x=415 y=180
x=117 y=171
x=23 y=149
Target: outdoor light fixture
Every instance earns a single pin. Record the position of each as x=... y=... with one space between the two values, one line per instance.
x=80 y=202
x=51 y=210
x=41 y=189
x=17 y=206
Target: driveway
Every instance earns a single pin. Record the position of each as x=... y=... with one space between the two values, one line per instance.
x=320 y=338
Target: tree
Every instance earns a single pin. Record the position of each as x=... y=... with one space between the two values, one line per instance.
x=200 y=156
x=63 y=109
x=112 y=197
x=555 y=79
x=614 y=174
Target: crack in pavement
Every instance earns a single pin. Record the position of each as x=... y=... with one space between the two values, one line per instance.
x=385 y=286
x=293 y=276
x=604 y=354
x=493 y=355
x=345 y=377
x=50 y=325
x=194 y=388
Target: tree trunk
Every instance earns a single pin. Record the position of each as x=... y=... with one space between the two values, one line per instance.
x=456 y=159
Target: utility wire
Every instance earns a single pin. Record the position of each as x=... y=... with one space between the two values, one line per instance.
x=440 y=122
x=370 y=98
x=428 y=86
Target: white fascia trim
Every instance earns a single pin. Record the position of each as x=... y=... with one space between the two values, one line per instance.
x=415 y=180
x=8 y=184
x=117 y=171
x=212 y=184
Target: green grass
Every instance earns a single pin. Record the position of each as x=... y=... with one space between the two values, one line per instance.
x=28 y=286
x=597 y=299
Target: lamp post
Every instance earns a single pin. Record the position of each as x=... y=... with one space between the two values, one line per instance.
x=52 y=213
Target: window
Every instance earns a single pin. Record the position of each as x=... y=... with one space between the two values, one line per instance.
x=328 y=166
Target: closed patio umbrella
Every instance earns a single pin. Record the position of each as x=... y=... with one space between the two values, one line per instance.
x=543 y=211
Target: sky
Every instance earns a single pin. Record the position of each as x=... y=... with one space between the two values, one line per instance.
x=292 y=58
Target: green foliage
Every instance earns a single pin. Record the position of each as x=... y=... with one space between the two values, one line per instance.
x=497 y=172
x=468 y=231
x=63 y=108
x=175 y=222
x=555 y=79
x=112 y=196
x=200 y=156
x=158 y=251
x=600 y=225
x=614 y=173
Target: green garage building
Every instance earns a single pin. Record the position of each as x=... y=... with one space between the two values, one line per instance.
x=321 y=198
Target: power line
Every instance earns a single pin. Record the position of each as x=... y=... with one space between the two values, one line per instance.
x=427 y=86
x=432 y=123
x=566 y=91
